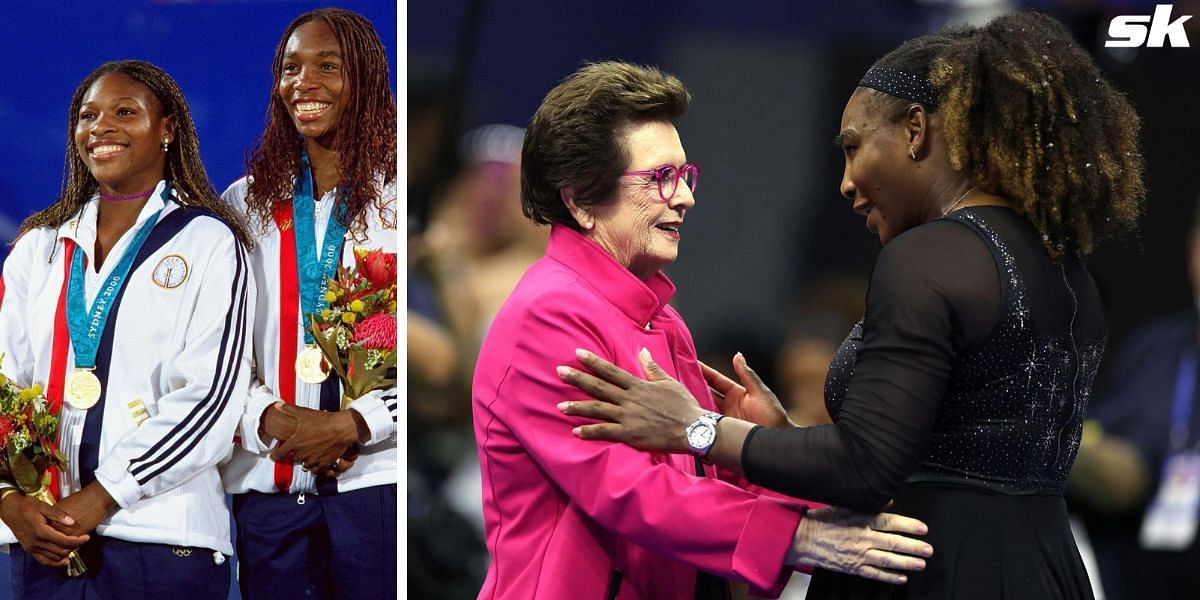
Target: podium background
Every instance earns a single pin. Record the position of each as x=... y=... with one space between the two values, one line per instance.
x=218 y=51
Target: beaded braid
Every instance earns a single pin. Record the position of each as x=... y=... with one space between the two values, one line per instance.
x=183 y=165
x=365 y=140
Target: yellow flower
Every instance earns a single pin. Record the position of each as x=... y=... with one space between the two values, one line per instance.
x=357 y=306
x=330 y=296
x=326 y=314
x=3 y=379
x=348 y=318
x=31 y=392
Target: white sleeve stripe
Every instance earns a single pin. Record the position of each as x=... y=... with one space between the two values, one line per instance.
x=201 y=417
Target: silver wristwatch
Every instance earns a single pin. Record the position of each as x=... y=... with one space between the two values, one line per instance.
x=702 y=433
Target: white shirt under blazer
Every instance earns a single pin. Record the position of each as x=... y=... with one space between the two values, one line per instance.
x=179 y=356
x=251 y=468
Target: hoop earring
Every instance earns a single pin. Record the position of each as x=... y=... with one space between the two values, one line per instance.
x=912 y=152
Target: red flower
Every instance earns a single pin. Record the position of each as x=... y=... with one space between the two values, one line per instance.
x=377 y=332
x=379 y=268
x=6 y=429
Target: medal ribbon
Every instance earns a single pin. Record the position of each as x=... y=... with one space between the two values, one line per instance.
x=303 y=281
x=58 y=353
x=86 y=326
x=315 y=269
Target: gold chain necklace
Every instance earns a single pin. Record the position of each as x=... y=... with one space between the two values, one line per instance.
x=946 y=211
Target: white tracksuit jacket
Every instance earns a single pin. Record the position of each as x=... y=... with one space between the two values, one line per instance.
x=251 y=468
x=180 y=357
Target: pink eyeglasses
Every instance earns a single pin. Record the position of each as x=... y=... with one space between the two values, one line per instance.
x=668 y=176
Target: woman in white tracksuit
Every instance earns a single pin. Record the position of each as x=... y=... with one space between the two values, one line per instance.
x=314 y=486
x=130 y=299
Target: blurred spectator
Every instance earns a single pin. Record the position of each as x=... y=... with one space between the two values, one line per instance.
x=479 y=243
x=1137 y=477
x=429 y=164
x=803 y=363
x=446 y=554
x=462 y=268
x=826 y=310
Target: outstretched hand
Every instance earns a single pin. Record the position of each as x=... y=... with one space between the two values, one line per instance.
x=651 y=414
x=840 y=540
x=751 y=400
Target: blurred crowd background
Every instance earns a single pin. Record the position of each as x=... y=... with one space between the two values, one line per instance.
x=773 y=262
x=219 y=51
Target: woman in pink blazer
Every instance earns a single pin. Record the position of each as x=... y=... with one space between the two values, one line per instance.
x=567 y=518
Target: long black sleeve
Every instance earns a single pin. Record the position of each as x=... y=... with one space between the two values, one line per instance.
x=935 y=291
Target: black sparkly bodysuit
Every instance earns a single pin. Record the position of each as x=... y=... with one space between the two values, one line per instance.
x=1013 y=409
x=960 y=397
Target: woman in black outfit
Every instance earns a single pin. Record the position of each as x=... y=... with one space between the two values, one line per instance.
x=989 y=161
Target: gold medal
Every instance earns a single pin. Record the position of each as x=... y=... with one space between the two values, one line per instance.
x=311 y=366
x=83 y=390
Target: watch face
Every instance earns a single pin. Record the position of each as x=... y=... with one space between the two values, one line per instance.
x=701 y=436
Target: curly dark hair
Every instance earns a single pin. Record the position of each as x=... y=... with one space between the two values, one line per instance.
x=365 y=140
x=574 y=137
x=183 y=165
x=1030 y=118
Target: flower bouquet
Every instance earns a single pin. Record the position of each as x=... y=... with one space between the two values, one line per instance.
x=357 y=334
x=28 y=447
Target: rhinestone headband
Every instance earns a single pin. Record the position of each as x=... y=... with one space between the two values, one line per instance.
x=900 y=84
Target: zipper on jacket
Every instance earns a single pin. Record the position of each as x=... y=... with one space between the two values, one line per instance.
x=614 y=584
x=300 y=499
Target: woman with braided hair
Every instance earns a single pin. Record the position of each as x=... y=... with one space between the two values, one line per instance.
x=989 y=161
x=129 y=299
x=314 y=486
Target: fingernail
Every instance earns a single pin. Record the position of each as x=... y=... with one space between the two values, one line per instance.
x=563 y=406
x=68 y=520
x=577 y=430
x=580 y=353
x=645 y=354
x=903 y=579
x=920 y=565
x=563 y=371
x=927 y=551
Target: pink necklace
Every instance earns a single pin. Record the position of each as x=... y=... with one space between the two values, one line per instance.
x=123 y=197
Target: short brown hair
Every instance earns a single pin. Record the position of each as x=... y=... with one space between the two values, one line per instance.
x=573 y=139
